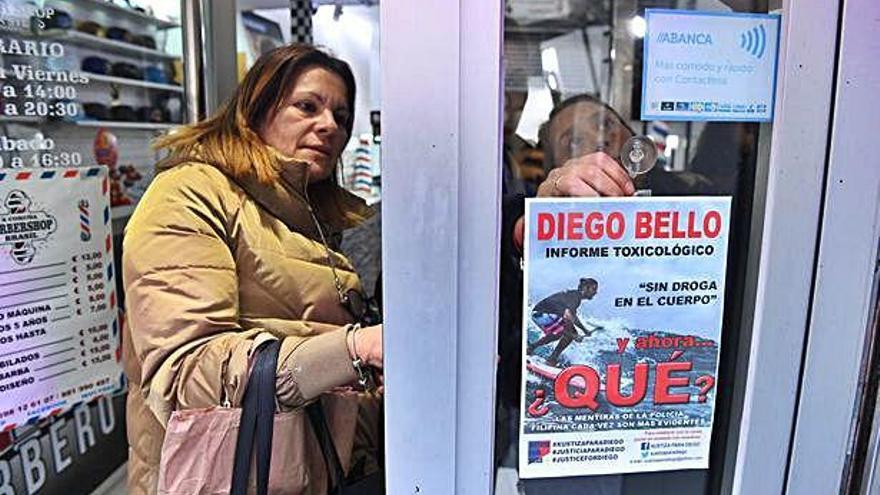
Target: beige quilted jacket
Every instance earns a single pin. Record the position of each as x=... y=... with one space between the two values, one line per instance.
x=212 y=265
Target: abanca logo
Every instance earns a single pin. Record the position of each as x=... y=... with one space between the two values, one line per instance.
x=683 y=38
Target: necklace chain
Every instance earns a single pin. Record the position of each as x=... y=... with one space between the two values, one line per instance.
x=330 y=262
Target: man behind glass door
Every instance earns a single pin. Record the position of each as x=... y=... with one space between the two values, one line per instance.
x=581 y=142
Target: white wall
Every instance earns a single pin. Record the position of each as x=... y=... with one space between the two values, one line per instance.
x=354 y=37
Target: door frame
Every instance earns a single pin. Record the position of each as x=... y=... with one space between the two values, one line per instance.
x=790 y=183
x=843 y=300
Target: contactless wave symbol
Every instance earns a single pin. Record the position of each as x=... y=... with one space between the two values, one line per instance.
x=754 y=41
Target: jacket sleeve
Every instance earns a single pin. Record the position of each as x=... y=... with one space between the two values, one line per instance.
x=181 y=288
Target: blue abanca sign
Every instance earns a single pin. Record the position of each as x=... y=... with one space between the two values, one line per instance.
x=710 y=66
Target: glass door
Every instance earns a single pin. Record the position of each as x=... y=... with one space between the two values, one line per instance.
x=580 y=81
x=577 y=77
x=573 y=86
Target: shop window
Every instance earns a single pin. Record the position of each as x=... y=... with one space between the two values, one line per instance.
x=573 y=87
x=85 y=85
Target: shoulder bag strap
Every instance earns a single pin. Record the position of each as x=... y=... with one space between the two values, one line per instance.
x=257 y=421
x=315 y=412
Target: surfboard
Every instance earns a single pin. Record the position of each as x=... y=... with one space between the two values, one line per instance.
x=539 y=367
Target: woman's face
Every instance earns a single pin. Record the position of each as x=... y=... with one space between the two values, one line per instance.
x=311 y=124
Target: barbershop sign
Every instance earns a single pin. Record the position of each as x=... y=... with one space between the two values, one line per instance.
x=59 y=335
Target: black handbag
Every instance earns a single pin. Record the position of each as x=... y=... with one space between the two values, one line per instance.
x=373 y=484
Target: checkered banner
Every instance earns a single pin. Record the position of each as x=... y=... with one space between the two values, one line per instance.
x=301 y=21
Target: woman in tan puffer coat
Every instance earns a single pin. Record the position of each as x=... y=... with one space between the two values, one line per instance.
x=233 y=244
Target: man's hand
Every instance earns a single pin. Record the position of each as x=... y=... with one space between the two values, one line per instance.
x=596 y=174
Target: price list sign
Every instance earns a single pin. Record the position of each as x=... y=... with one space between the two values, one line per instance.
x=59 y=334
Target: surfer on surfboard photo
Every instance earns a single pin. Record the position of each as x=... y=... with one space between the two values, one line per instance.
x=556 y=316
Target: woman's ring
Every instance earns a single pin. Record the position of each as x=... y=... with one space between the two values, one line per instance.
x=556 y=184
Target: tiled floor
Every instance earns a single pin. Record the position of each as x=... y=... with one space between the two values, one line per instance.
x=114 y=485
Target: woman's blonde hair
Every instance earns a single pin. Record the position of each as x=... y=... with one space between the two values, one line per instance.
x=229 y=139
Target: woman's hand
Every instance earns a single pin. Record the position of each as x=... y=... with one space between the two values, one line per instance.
x=367 y=342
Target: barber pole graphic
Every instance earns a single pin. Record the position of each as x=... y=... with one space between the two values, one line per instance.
x=85 y=233
x=659 y=131
x=362 y=180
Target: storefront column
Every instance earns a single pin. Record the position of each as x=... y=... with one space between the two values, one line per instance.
x=441 y=112
x=784 y=251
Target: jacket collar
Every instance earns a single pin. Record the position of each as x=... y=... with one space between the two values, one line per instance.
x=289 y=198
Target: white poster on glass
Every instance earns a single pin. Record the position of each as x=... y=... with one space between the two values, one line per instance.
x=59 y=334
x=621 y=333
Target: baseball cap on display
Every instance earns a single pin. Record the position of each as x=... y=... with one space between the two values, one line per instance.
x=123 y=113
x=96 y=111
x=156 y=75
x=117 y=33
x=58 y=20
x=96 y=65
x=126 y=70
x=144 y=40
x=91 y=27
